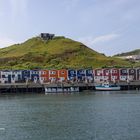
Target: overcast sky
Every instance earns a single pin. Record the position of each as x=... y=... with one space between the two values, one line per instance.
x=107 y=26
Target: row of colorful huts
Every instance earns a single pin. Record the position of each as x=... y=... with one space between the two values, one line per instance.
x=71 y=75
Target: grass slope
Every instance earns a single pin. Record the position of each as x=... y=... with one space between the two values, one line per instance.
x=134 y=52
x=54 y=54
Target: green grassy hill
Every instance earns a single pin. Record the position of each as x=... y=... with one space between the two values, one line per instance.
x=134 y=52
x=58 y=53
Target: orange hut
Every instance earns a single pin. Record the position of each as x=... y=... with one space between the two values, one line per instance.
x=44 y=76
x=62 y=75
x=53 y=75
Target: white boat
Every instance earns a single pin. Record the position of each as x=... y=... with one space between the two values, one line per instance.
x=107 y=87
x=61 y=89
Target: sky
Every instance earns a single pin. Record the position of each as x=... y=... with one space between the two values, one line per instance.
x=106 y=26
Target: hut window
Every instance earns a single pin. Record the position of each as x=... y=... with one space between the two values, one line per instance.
x=72 y=72
x=124 y=71
x=114 y=71
x=53 y=72
x=132 y=71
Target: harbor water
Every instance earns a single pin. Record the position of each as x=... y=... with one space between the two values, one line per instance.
x=84 y=116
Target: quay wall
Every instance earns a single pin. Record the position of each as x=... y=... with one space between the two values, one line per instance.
x=40 y=88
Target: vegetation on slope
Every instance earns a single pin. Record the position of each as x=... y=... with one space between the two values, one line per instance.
x=58 y=53
x=134 y=52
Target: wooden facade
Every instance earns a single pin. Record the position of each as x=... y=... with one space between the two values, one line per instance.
x=53 y=75
x=82 y=75
x=62 y=75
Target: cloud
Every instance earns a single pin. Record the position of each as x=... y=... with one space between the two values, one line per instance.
x=90 y=41
x=18 y=8
x=5 y=42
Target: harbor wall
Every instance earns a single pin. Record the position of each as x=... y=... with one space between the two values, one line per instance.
x=40 y=88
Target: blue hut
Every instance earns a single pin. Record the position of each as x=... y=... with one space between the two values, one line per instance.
x=89 y=75
x=72 y=74
x=81 y=74
x=26 y=75
x=34 y=75
x=16 y=76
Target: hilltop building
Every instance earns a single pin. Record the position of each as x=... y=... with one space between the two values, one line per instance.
x=46 y=36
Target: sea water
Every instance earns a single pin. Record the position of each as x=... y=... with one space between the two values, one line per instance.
x=80 y=116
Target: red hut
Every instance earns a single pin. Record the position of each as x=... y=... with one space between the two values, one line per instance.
x=115 y=74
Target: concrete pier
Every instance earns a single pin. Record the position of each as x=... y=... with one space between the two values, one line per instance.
x=21 y=88
x=40 y=88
